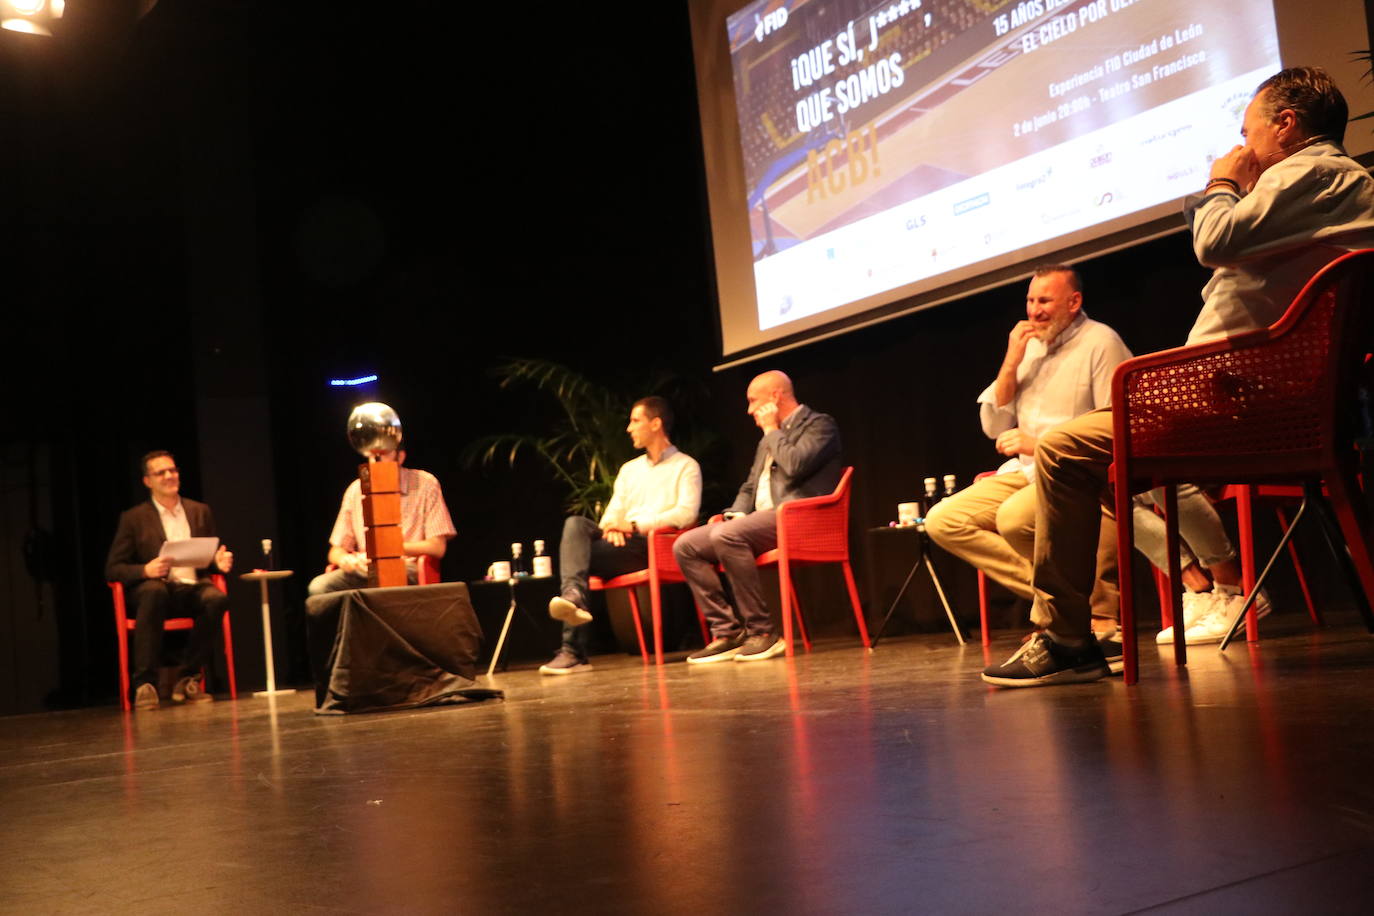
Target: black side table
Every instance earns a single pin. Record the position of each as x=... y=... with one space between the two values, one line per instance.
x=541 y=588
x=920 y=545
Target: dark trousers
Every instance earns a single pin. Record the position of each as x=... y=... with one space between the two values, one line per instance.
x=733 y=545
x=154 y=601
x=583 y=553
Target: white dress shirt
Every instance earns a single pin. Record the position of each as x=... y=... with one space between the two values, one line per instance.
x=176 y=527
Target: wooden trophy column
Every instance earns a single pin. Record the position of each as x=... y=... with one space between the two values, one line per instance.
x=381 y=483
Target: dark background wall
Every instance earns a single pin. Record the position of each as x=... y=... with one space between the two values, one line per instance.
x=209 y=211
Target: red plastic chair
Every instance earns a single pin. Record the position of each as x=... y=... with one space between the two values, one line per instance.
x=983 y=583
x=1268 y=406
x=124 y=626
x=662 y=570
x=1279 y=498
x=428 y=573
x=812 y=531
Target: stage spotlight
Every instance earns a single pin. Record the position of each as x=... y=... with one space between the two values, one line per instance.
x=32 y=16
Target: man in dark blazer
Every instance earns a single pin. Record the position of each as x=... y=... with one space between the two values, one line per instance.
x=798 y=456
x=157 y=590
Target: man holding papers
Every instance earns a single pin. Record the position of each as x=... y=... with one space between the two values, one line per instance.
x=156 y=589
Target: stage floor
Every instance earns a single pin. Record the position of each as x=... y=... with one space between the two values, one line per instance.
x=843 y=782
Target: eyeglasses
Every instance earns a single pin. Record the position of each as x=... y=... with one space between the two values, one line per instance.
x=164 y=472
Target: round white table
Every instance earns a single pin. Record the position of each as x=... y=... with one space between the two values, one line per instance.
x=262 y=577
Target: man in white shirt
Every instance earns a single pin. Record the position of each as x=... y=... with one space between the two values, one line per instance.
x=155 y=588
x=659 y=489
x=1058 y=365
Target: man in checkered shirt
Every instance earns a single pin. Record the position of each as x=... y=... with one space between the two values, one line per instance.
x=425 y=529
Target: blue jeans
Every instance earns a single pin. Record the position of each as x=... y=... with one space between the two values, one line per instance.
x=582 y=553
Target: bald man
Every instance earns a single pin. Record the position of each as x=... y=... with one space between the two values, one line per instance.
x=798 y=456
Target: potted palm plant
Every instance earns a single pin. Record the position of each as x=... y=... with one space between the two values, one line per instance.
x=587 y=444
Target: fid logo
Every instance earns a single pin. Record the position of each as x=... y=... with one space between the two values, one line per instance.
x=769 y=23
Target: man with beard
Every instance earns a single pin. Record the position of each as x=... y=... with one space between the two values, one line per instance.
x=1058 y=365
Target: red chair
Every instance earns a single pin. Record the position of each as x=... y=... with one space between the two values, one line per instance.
x=983 y=584
x=812 y=531
x=428 y=574
x=124 y=626
x=662 y=569
x=1279 y=498
x=1265 y=407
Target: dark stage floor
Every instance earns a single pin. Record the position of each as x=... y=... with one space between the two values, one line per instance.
x=846 y=782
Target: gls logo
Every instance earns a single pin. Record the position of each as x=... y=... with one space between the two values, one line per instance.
x=769 y=23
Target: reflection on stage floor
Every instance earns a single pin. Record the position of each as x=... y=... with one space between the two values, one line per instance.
x=841 y=782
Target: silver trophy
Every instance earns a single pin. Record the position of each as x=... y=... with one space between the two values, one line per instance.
x=372 y=428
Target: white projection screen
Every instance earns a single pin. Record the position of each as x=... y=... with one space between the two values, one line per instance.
x=865 y=160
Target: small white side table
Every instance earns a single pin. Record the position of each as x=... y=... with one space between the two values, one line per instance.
x=262 y=577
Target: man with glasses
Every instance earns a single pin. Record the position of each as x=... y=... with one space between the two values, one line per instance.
x=157 y=590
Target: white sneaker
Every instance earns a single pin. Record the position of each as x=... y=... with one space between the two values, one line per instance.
x=1215 y=626
x=1196 y=605
x=1262 y=605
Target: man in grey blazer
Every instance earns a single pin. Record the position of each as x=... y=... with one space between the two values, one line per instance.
x=798 y=456
x=155 y=588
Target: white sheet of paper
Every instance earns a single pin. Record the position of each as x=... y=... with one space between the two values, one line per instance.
x=193 y=552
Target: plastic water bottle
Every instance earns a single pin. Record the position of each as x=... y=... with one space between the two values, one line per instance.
x=931 y=498
x=543 y=565
x=517 y=561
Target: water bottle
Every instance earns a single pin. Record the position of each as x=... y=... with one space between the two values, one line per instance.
x=517 y=561
x=931 y=498
x=543 y=565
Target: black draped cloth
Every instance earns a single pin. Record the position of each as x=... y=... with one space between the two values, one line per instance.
x=394 y=648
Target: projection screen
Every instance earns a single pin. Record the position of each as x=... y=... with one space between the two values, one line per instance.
x=865 y=160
